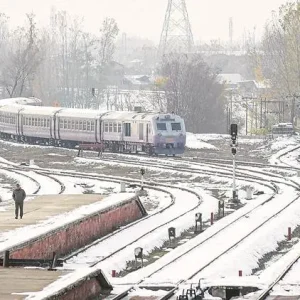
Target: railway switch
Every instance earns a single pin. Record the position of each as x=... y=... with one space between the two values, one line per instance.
x=198 y=221
x=138 y=254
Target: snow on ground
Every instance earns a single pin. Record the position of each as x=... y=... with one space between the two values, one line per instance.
x=28 y=184
x=184 y=201
x=282 y=145
x=146 y=271
x=194 y=141
x=246 y=255
x=290 y=283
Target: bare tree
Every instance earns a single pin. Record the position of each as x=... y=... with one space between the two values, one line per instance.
x=109 y=32
x=193 y=92
x=21 y=59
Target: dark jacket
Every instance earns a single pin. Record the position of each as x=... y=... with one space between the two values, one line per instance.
x=19 y=195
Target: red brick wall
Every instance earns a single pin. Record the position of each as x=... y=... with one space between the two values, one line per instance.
x=79 y=234
x=85 y=290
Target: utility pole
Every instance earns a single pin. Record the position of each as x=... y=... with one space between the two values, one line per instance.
x=261 y=112
x=246 y=118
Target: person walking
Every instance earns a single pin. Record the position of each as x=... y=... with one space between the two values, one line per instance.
x=19 y=196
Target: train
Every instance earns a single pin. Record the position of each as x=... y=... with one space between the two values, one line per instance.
x=283 y=129
x=114 y=131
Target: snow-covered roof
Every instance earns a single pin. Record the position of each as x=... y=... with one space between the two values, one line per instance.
x=230 y=78
x=21 y=101
x=128 y=115
x=11 y=108
x=80 y=113
x=39 y=110
x=139 y=79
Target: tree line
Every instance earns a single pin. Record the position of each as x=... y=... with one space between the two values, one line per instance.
x=60 y=63
x=64 y=65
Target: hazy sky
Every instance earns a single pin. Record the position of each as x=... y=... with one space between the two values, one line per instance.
x=209 y=18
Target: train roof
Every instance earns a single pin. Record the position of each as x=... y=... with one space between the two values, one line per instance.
x=20 y=101
x=127 y=115
x=14 y=109
x=80 y=113
x=39 y=110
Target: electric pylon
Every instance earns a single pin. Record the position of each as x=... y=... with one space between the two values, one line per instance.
x=176 y=35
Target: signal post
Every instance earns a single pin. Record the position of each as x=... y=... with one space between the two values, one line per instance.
x=234 y=144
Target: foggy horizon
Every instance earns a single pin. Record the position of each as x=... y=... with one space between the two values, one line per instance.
x=144 y=18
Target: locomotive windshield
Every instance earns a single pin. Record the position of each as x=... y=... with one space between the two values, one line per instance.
x=161 y=126
x=176 y=126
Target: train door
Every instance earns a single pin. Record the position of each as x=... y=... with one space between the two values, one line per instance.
x=19 y=122
x=141 y=131
x=147 y=132
x=96 y=131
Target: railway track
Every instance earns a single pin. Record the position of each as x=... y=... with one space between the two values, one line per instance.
x=226 y=173
x=172 y=291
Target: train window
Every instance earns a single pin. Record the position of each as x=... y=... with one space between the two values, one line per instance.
x=92 y=126
x=35 y=122
x=42 y=122
x=73 y=124
x=115 y=127
x=61 y=124
x=84 y=125
x=80 y=125
x=110 y=127
x=48 y=122
x=88 y=126
x=65 y=124
x=119 y=127
x=39 y=122
x=69 y=124
x=127 y=129
x=161 y=126
x=176 y=126
x=76 y=125
x=105 y=127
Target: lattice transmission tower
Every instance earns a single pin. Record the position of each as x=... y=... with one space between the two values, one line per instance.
x=176 y=35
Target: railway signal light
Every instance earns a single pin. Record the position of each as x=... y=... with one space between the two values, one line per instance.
x=142 y=171
x=93 y=92
x=172 y=234
x=233 y=131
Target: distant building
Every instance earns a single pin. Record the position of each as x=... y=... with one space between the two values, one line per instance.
x=230 y=80
x=251 y=88
x=137 y=81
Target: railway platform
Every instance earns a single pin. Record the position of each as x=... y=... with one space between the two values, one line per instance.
x=60 y=224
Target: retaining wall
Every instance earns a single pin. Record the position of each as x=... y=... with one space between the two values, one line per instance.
x=88 y=287
x=80 y=233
